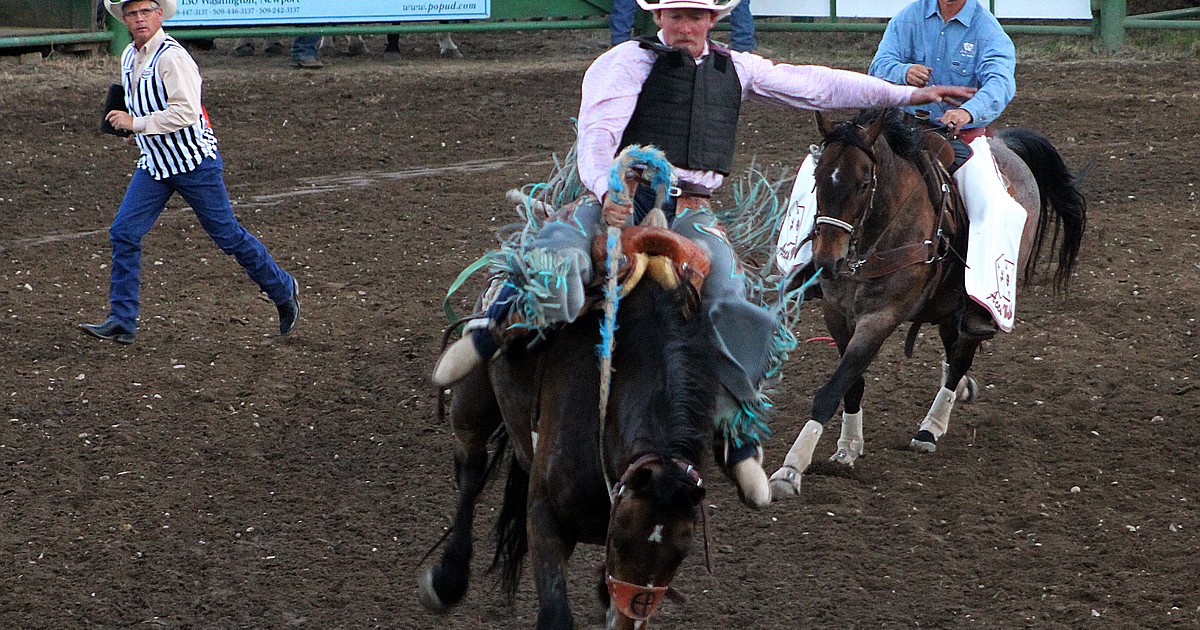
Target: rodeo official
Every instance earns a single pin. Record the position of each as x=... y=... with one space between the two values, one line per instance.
x=178 y=155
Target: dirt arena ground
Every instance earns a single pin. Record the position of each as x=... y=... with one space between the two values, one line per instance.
x=214 y=475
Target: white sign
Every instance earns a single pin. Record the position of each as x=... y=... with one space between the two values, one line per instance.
x=263 y=12
x=1008 y=9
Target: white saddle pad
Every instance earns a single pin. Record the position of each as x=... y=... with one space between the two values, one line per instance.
x=997 y=221
x=798 y=221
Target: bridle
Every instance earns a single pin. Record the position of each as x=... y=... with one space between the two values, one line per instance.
x=875 y=264
x=636 y=601
x=854 y=230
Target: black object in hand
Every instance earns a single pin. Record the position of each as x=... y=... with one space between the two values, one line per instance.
x=114 y=100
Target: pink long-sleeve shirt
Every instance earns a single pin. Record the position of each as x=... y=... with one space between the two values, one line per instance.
x=614 y=80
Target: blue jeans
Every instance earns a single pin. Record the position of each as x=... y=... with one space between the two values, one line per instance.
x=741 y=28
x=204 y=189
x=305 y=47
x=621 y=20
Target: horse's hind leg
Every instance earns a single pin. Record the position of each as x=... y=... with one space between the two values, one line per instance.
x=474 y=416
x=960 y=353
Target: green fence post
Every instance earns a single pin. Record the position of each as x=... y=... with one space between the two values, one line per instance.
x=1110 y=23
x=121 y=37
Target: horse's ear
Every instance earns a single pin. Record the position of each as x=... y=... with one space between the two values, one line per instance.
x=640 y=480
x=824 y=125
x=872 y=131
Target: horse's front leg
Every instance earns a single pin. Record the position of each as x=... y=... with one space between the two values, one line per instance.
x=474 y=416
x=956 y=386
x=549 y=551
x=850 y=443
x=868 y=337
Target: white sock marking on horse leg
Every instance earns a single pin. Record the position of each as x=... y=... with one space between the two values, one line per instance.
x=656 y=535
x=938 y=418
x=850 y=444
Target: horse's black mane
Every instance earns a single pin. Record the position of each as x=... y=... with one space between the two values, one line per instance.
x=902 y=137
x=684 y=402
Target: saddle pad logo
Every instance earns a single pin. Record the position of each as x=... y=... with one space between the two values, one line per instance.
x=1001 y=301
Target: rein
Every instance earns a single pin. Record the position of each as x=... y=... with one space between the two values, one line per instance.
x=636 y=601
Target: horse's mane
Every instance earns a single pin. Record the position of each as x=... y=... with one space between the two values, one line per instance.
x=903 y=138
x=665 y=328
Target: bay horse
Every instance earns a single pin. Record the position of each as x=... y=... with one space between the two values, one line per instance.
x=630 y=480
x=890 y=241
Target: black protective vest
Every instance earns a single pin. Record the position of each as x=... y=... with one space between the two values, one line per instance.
x=689 y=111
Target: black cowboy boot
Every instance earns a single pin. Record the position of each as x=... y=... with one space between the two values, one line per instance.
x=976 y=321
x=110 y=329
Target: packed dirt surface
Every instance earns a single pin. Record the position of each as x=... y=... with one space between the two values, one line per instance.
x=214 y=475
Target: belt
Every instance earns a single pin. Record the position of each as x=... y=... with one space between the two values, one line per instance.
x=682 y=189
x=688 y=189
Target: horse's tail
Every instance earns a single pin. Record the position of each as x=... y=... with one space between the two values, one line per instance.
x=511 y=538
x=1060 y=194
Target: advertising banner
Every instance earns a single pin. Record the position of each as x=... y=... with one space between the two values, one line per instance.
x=1005 y=9
x=266 y=12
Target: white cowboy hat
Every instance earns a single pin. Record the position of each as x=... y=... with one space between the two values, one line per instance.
x=168 y=7
x=711 y=5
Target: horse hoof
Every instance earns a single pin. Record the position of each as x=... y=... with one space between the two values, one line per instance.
x=843 y=456
x=923 y=442
x=428 y=594
x=785 y=483
x=848 y=452
x=968 y=391
x=442 y=587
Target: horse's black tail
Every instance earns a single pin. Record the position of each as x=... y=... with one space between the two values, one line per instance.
x=511 y=538
x=1060 y=194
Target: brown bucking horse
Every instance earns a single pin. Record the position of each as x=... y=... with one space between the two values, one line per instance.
x=630 y=480
x=891 y=243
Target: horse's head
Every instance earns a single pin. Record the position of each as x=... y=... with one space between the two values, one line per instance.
x=650 y=532
x=846 y=186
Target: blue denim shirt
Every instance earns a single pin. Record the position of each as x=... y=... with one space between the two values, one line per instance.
x=971 y=50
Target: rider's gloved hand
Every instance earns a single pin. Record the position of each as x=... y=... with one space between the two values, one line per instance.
x=615 y=214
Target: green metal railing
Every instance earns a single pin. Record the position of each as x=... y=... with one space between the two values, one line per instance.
x=1109 y=24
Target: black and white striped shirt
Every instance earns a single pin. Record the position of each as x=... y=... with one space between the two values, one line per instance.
x=166 y=154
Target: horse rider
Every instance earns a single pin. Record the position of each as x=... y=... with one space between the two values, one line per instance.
x=178 y=155
x=959 y=42
x=681 y=92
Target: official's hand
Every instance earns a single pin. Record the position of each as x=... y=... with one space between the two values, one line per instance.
x=954 y=119
x=120 y=120
x=615 y=214
x=953 y=94
x=918 y=75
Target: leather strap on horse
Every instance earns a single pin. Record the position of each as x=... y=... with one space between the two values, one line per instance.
x=615 y=496
x=934 y=249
